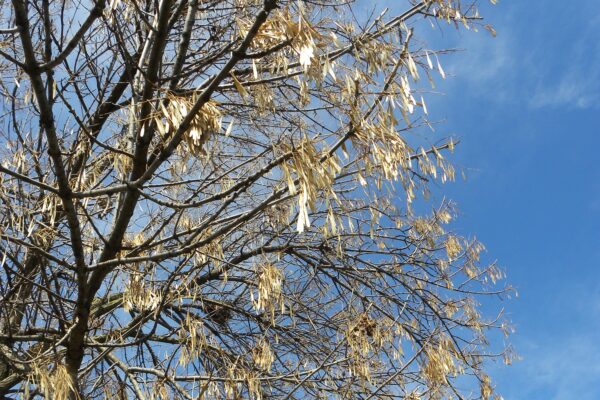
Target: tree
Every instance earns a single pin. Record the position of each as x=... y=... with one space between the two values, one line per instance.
x=214 y=199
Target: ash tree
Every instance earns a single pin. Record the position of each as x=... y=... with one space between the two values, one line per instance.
x=216 y=199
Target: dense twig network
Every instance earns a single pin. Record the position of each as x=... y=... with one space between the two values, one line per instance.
x=206 y=199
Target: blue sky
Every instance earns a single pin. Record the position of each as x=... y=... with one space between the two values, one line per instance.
x=526 y=106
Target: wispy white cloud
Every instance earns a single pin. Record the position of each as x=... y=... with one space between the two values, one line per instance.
x=488 y=65
x=573 y=91
x=523 y=66
x=483 y=66
x=566 y=367
x=577 y=83
x=560 y=359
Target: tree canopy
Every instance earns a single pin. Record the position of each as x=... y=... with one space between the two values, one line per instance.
x=223 y=199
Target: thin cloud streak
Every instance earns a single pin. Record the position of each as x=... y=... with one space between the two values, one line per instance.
x=511 y=69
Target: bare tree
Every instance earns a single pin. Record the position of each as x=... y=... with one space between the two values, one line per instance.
x=206 y=199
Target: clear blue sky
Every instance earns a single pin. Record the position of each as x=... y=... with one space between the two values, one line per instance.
x=526 y=107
